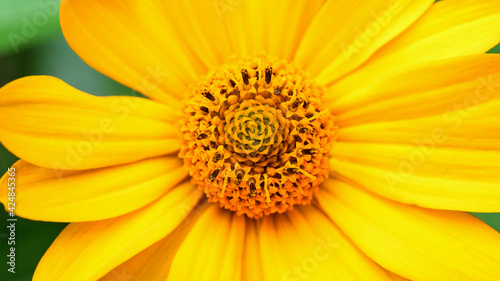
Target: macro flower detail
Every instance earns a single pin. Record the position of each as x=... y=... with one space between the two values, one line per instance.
x=277 y=140
x=257 y=137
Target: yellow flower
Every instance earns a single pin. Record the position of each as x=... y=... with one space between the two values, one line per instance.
x=334 y=140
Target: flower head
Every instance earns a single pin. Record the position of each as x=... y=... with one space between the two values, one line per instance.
x=333 y=140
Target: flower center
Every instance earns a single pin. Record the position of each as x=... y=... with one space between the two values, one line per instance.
x=257 y=137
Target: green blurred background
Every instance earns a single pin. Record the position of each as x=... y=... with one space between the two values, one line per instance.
x=40 y=49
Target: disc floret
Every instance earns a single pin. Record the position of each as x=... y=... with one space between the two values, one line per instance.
x=257 y=137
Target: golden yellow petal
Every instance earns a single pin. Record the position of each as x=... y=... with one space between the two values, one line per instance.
x=96 y=194
x=432 y=88
x=213 y=249
x=98 y=247
x=449 y=29
x=304 y=245
x=50 y=124
x=416 y=243
x=133 y=42
x=346 y=33
x=424 y=175
x=153 y=263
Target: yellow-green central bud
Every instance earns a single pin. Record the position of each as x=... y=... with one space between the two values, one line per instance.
x=257 y=137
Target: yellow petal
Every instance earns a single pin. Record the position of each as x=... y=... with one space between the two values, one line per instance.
x=462 y=126
x=286 y=23
x=222 y=28
x=153 y=263
x=252 y=261
x=213 y=249
x=74 y=195
x=346 y=33
x=88 y=250
x=396 y=277
x=132 y=42
x=303 y=244
x=449 y=29
x=50 y=124
x=416 y=243
x=424 y=175
x=427 y=89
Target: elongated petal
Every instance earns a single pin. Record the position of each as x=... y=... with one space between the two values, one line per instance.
x=346 y=33
x=432 y=88
x=449 y=29
x=153 y=264
x=303 y=244
x=427 y=176
x=132 y=42
x=75 y=195
x=416 y=243
x=213 y=249
x=98 y=247
x=50 y=124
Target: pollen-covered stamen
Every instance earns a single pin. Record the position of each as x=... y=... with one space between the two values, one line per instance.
x=257 y=137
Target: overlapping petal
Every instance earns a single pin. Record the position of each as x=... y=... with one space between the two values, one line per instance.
x=303 y=244
x=50 y=124
x=416 y=243
x=154 y=262
x=96 y=194
x=134 y=43
x=252 y=261
x=431 y=140
x=160 y=47
x=213 y=250
x=344 y=34
x=432 y=88
x=98 y=247
x=449 y=29
x=244 y=28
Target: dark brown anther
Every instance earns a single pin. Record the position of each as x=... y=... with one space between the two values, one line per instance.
x=213 y=175
x=292 y=171
x=253 y=190
x=257 y=75
x=311 y=151
x=217 y=157
x=296 y=103
x=305 y=130
x=204 y=109
x=290 y=93
x=233 y=84
x=223 y=91
x=245 y=76
x=251 y=183
x=239 y=176
x=269 y=74
x=207 y=94
x=200 y=135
